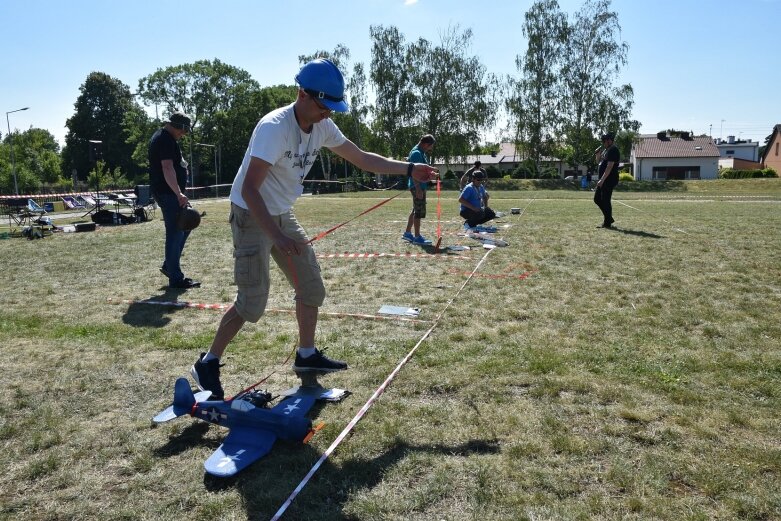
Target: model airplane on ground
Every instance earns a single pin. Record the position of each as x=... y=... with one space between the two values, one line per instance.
x=253 y=426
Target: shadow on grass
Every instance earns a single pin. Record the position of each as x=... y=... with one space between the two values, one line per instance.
x=152 y=315
x=637 y=233
x=265 y=486
x=191 y=436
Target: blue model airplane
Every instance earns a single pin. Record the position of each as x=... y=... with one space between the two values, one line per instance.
x=253 y=427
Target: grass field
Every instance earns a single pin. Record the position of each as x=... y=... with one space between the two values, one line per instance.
x=581 y=373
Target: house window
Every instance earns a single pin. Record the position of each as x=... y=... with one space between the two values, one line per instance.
x=776 y=148
x=661 y=173
x=730 y=152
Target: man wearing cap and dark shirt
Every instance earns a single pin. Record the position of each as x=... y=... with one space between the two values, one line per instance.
x=281 y=151
x=168 y=179
x=608 y=178
x=467 y=177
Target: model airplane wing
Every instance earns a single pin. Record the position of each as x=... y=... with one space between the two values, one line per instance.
x=246 y=444
x=242 y=447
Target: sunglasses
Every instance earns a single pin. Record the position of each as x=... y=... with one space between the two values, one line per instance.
x=316 y=95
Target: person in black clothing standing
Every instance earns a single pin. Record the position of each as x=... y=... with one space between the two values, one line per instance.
x=608 y=159
x=168 y=179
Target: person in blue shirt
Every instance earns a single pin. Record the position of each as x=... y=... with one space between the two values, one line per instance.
x=474 y=202
x=418 y=154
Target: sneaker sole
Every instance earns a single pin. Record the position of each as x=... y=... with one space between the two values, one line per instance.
x=194 y=374
x=316 y=369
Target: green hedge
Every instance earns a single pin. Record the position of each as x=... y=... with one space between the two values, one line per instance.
x=729 y=173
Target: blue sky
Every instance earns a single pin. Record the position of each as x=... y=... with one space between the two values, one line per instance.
x=694 y=64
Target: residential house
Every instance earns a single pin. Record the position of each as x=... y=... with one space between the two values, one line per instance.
x=747 y=150
x=771 y=158
x=739 y=155
x=505 y=160
x=661 y=157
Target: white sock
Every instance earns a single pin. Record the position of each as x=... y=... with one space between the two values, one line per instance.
x=306 y=352
x=209 y=356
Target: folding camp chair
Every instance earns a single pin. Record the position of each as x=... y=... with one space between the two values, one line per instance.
x=71 y=203
x=92 y=203
x=35 y=208
x=19 y=214
x=144 y=204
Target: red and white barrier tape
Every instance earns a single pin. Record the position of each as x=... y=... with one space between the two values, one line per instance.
x=380 y=255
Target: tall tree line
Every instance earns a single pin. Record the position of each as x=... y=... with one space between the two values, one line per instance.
x=565 y=95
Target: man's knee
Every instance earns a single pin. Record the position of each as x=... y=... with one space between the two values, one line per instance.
x=250 y=304
x=312 y=293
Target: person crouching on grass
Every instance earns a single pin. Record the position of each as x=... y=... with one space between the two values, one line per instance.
x=474 y=202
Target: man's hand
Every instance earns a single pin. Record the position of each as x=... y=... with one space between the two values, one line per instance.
x=287 y=246
x=424 y=173
x=183 y=200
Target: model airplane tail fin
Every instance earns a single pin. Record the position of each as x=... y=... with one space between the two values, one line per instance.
x=184 y=399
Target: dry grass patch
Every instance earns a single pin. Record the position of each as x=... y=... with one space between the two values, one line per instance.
x=632 y=374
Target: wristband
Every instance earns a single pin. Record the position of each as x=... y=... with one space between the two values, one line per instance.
x=410 y=166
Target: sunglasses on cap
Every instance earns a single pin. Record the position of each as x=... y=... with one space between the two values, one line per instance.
x=317 y=96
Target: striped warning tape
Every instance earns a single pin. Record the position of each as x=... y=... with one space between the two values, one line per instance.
x=379 y=255
x=201 y=305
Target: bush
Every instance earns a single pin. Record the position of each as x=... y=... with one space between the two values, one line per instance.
x=729 y=173
x=493 y=173
x=625 y=177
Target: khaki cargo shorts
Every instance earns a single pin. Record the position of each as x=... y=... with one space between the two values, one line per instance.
x=252 y=249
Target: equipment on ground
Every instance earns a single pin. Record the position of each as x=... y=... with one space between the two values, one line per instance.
x=254 y=425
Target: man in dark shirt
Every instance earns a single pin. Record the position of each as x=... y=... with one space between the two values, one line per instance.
x=168 y=179
x=608 y=159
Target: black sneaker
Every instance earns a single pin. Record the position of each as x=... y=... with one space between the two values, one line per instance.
x=318 y=362
x=185 y=283
x=207 y=376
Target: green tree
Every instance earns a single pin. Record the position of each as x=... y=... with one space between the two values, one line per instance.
x=208 y=91
x=139 y=128
x=430 y=88
x=389 y=73
x=37 y=161
x=99 y=115
x=234 y=126
x=532 y=102
x=456 y=99
x=591 y=101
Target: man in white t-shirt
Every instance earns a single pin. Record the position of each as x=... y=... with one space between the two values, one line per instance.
x=281 y=151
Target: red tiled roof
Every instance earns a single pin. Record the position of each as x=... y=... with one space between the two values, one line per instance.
x=652 y=146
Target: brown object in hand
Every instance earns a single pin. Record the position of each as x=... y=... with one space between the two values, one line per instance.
x=188 y=219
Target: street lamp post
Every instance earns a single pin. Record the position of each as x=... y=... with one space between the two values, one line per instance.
x=11 y=143
x=216 y=172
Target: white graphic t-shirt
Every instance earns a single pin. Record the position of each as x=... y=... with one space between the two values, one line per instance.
x=277 y=139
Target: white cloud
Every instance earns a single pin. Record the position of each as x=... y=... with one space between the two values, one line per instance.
x=410 y=2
